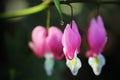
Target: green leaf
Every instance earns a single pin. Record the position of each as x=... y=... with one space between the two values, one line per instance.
x=57 y=4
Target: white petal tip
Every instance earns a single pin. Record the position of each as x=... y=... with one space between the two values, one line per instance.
x=49 y=73
x=49 y=64
x=75 y=72
x=74 y=65
x=97 y=73
x=97 y=64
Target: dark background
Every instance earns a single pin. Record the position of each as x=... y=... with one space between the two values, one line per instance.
x=18 y=62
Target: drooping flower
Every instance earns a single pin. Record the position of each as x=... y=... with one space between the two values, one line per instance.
x=48 y=44
x=97 y=38
x=71 y=41
x=38 y=42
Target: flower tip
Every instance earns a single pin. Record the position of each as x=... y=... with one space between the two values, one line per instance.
x=97 y=64
x=73 y=21
x=99 y=18
x=74 y=65
x=49 y=64
x=74 y=72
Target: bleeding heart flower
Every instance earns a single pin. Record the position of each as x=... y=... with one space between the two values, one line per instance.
x=38 y=42
x=48 y=44
x=54 y=42
x=97 y=39
x=71 y=41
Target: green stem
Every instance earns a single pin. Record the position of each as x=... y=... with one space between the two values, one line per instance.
x=71 y=14
x=48 y=19
x=27 y=11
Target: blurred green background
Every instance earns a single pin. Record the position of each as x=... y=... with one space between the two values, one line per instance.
x=18 y=62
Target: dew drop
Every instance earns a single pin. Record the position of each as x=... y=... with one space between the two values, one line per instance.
x=62 y=22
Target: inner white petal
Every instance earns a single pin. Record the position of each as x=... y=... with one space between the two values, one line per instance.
x=49 y=64
x=97 y=63
x=74 y=65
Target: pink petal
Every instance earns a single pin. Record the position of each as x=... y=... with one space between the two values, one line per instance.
x=54 y=42
x=91 y=53
x=38 y=37
x=103 y=31
x=96 y=35
x=38 y=33
x=100 y=22
x=75 y=29
x=70 y=42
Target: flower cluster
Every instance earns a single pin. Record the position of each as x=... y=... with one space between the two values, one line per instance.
x=48 y=44
x=54 y=45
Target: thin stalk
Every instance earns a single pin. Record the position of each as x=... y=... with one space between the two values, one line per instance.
x=27 y=11
x=45 y=4
x=71 y=18
x=90 y=1
x=48 y=19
